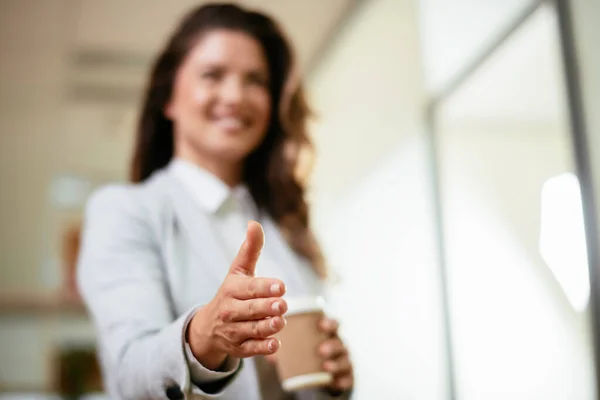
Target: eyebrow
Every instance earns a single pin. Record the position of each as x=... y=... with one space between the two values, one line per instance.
x=259 y=71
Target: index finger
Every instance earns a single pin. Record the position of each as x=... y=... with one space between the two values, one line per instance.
x=254 y=288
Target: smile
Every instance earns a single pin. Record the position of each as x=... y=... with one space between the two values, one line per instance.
x=231 y=123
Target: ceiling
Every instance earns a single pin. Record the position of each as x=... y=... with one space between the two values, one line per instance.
x=115 y=40
x=142 y=26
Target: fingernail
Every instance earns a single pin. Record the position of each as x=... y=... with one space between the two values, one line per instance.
x=276 y=307
x=271 y=345
x=275 y=288
x=272 y=323
x=322 y=325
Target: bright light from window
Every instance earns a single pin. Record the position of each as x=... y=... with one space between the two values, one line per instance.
x=562 y=238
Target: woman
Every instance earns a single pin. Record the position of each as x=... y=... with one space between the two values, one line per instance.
x=176 y=309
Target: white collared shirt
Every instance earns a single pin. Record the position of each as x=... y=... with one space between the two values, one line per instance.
x=234 y=208
x=209 y=192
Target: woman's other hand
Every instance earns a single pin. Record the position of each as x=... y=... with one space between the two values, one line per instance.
x=336 y=359
x=244 y=314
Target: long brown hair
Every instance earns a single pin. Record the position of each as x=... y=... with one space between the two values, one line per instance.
x=270 y=171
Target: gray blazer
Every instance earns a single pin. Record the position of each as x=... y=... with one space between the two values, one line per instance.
x=142 y=246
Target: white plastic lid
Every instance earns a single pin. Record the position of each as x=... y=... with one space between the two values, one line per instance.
x=304 y=304
x=306 y=381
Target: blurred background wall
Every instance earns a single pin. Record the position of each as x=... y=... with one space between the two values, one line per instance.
x=72 y=71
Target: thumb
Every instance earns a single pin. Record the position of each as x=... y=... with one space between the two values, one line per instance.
x=245 y=261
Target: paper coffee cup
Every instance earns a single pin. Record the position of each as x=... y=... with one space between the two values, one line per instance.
x=298 y=362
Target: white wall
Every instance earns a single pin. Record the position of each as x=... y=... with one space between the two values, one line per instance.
x=372 y=204
x=43 y=133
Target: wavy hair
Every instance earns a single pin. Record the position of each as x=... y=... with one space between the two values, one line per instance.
x=270 y=172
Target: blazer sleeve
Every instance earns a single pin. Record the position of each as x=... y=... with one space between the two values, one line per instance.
x=120 y=277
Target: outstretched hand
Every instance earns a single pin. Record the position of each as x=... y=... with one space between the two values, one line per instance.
x=245 y=312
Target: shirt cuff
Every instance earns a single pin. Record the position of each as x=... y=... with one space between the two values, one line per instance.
x=199 y=374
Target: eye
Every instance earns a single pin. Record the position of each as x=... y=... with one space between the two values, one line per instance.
x=259 y=80
x=211 y=74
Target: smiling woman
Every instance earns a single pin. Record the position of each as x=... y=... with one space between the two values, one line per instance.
x=221 y=129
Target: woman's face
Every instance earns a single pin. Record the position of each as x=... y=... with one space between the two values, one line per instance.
x=220 y=103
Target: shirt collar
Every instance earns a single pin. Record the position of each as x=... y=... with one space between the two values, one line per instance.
x=209 y=192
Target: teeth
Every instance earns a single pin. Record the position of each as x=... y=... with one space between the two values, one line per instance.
x=231 y=123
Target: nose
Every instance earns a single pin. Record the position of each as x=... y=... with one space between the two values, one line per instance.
x=232 y=91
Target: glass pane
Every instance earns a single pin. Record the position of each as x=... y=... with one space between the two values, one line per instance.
x=454 y=32
x=513 y=227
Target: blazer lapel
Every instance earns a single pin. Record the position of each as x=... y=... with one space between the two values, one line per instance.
x=197 y=228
